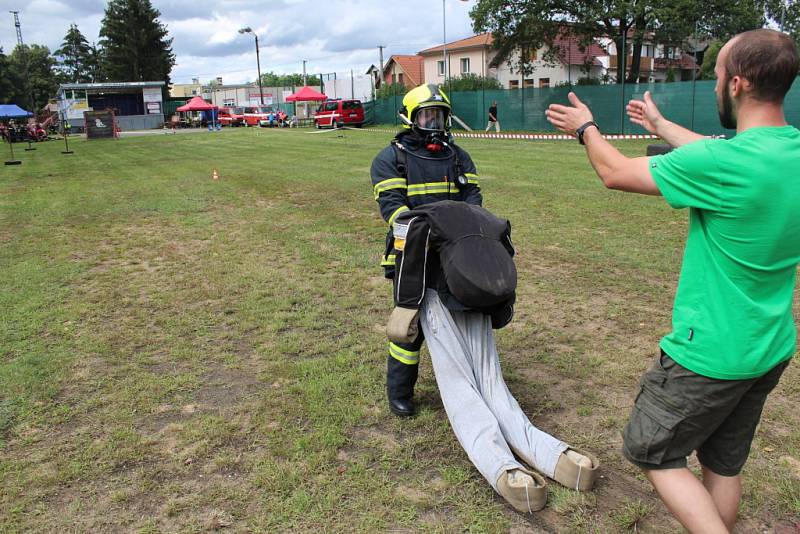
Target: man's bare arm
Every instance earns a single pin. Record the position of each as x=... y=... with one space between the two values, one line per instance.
x=615 y=170
x=645 y=113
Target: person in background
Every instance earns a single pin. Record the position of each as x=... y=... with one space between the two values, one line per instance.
x=493 y=117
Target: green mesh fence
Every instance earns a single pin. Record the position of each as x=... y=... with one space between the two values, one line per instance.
x=692 y=105
x=171 y=105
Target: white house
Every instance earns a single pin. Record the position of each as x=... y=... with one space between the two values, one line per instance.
x=656 y=60
x=474 y=55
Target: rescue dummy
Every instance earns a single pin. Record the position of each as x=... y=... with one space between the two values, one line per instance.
x=455 y=274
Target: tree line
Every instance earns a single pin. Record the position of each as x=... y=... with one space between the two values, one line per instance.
x=272 y=79
x=133 y=45
x=528 y=25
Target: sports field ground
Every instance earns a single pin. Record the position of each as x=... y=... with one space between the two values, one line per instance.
x=179 y=354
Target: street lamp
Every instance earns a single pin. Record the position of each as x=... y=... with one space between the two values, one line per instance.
x=444 y=41
x=248 y=29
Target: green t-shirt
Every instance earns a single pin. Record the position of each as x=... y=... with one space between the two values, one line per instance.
x=732 y=317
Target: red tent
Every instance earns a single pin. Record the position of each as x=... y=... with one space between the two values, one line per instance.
x=305 y=94
x=196 y=104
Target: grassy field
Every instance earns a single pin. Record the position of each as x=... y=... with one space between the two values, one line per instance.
x=179 y=354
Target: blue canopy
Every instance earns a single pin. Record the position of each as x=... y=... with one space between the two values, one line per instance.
x=12 y=111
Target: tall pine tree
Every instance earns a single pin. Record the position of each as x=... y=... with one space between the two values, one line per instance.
x=94 y=64
x=136 y=45
x=74 y=54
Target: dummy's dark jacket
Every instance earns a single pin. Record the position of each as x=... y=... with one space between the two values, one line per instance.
x=427 y=177
x=460 y=250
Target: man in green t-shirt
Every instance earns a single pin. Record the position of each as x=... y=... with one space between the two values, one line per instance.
x=733 y=333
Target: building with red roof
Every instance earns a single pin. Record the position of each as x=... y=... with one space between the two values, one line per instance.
x=597 y=60
x=403 y=69
x=475 y=55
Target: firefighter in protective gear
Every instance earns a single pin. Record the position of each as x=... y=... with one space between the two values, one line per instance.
x=421 y=165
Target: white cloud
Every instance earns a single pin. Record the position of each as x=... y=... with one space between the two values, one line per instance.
x=332 y=35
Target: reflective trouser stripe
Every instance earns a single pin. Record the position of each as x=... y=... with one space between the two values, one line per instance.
x=389 y=260
x=407 y=357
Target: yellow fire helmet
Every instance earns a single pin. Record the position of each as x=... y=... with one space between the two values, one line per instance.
x=427 y=97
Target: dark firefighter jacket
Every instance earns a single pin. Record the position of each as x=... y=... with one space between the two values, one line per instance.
x=463 y=252
x=427 y=177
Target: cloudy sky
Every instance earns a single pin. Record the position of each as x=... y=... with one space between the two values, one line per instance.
x=332 y=35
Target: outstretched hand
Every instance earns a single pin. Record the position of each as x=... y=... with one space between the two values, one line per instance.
x=645 y=113
x=569 y=118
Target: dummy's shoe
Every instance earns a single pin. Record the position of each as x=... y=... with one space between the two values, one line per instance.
x=403 y=325
x=525 y=490
x=576 y=469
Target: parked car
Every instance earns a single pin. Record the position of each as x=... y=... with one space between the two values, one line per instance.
x=254 y=114
x=231 y=116
x=338 y=113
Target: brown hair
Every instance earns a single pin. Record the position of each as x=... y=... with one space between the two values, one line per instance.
x=768 y=59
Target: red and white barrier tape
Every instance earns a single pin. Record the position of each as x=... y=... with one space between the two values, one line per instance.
x=537 y=137
x=548 y=137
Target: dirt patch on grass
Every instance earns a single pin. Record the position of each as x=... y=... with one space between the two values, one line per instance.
x=793 y=464
x=6 y=236
x=411 y=494
x=378 y=437
x=222 y=387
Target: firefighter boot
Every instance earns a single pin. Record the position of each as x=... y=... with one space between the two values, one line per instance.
x=400 y=380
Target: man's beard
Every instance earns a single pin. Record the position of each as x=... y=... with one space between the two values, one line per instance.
x=725 y=109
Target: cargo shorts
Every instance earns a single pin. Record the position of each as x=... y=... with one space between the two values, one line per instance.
x=678 y=411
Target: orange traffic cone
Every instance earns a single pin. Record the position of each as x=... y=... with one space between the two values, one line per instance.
x=215 y=175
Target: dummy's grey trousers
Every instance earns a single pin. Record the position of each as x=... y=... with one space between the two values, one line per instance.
x=485 y=417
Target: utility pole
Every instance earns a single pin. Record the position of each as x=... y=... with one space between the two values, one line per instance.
x=569 y=59
x=258 y=66
x=304 y=73
x=444 y=45
x=783 y=14
x=380 y=51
